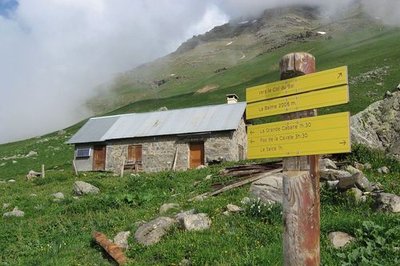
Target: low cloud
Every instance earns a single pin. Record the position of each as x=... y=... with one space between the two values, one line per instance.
x=54 y=53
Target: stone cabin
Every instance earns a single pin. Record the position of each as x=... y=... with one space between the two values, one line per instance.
x=163 y=140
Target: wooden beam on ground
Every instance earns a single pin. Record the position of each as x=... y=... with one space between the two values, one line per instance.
x=112 y=249
x=75 y=169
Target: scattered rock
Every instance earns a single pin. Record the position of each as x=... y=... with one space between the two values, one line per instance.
x=11 y=181
x=332 y=184
x=352 y=170
x=362 y=182
x=355 y=194
x=388 y=202
x=61 y=132
x=6 y=205
x=347 y=182
x=139 y=223
x=332 y=174
x=185 y=262
x=168 y=206
x=2 y=164
x=359 y=166
x=201 y=166
x=121 y=239
x=208 y=177
x=367 y=166
x=200 y=197
x=151 y=233
x=32 y=174
x=163 y=108
x=184 y=213
x=383 y=170
x=268 y=189
x=83 y=188
x=327 y=164
x=14 y=162
x=233 y=208
x=245 y=201
x=388 y=94
x=31 y=153
x=195 y=222
x=340 y=239
x=15 y=212
x=33 y=195
x=58 y=196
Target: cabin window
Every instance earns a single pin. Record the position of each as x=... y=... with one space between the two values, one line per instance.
x=83 y=153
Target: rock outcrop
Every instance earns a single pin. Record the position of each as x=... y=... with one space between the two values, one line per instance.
x=378 y=126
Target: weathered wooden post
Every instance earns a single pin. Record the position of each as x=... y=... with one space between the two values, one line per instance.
x=301 y=201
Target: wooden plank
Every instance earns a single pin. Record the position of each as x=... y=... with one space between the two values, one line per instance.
x=319 y=80
x=305 y=136
x=299 y=102
x=112 y=249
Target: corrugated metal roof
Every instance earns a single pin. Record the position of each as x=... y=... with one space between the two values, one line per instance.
x=181 y=121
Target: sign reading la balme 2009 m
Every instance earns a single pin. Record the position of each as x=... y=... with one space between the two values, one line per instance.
x=324 y=134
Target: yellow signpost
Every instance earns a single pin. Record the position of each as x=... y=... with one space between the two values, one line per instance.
x=299 y=102
x=315 y=81
x=306 y=136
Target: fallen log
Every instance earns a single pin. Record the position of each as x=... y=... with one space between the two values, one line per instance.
x=112 y=249
x=237 y=184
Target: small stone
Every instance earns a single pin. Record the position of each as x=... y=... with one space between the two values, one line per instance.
x=82 y=188
x=195 y=222
x=388 y=202
x=362 y=182
x=151 y=233
x=2 y=164
x=332 y=184
x=15 y=212
x=58 y=196
x=367 y=166
x=352 y=170
x=347 y=182
x=327 y=164
x=200 y=197
x=332 y=174
x=6 y=205
x=340 y=239
x=75 y=197
x=201 y=166
x=226 y=213
x=33 y=195
x=388 y=94
x=379 y=83
x=185 y=262
x=359 y=166
x=355 y=194
x=11 y=181
x=208 y=177
x=168 y=206
x=184 y=213
x=14 y=162
x=31 y=153
x=233 y=208
x=383 y=170
x=245 y=201
x=121 y=239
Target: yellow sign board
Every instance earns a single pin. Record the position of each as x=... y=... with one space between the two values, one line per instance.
x=299 y=102
x=324 y=134
x=315 y=81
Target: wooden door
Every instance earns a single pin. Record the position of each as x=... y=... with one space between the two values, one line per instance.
x=196 y=156
x=99 y=158
x=135 y=153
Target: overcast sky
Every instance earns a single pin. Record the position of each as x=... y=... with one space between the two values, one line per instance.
x=54 y=52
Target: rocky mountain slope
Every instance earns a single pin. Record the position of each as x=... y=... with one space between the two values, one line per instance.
x=240 y=41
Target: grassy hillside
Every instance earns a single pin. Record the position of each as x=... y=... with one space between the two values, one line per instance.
x=59 y=233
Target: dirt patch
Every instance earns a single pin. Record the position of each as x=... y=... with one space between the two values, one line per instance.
x=207 y=88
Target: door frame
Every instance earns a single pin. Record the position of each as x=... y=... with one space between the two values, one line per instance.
x=202 y=161
x=96 y=149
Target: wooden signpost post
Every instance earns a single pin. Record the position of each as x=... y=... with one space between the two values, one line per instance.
x=302 y=133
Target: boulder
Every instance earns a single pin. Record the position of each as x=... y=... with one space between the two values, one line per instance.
x=83 y=188
x=388 y=202
x=268 y=189
x=15 y=212
x=352 y=170
x=168 y=206
x=378 y=126
x=346 y=183
x=332 y=174
x=121 y=239
x=362 y=182
x=357 y=180
x=340 y=239
x=355 y=194
x=151 y=233
x=195 y=222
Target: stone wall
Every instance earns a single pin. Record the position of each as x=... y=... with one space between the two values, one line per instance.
x=158 y=153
